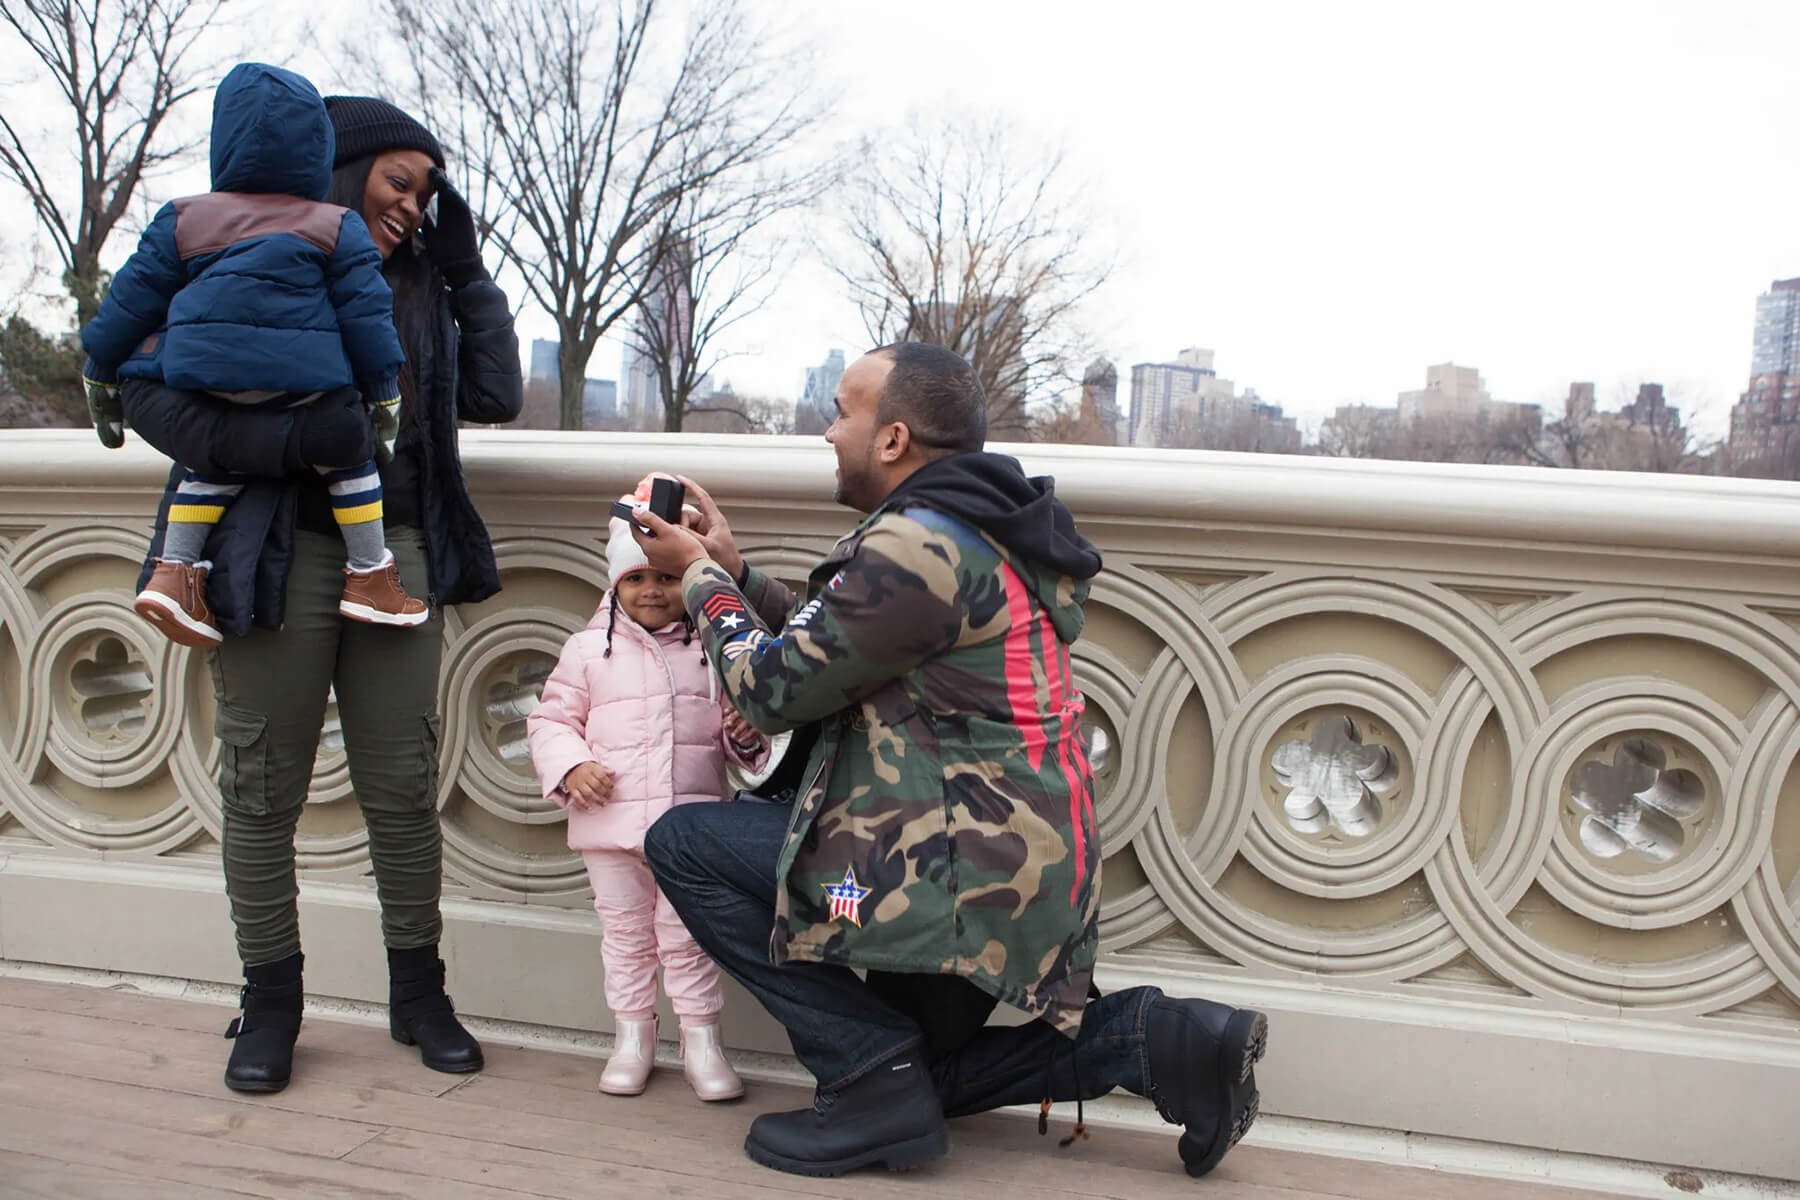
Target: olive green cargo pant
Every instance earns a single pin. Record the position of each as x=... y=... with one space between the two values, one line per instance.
x=271 y=689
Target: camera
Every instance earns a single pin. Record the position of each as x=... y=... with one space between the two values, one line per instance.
x=666 y=498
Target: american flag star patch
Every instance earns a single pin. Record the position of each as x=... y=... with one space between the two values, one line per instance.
x=725 y=610
x=846 y=898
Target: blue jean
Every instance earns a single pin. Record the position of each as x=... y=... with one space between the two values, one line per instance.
x=716 y=864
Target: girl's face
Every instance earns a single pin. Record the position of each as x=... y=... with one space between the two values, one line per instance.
x=650 y=598
x=395 y=196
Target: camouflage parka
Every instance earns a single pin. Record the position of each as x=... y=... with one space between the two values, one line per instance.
x=945 y=818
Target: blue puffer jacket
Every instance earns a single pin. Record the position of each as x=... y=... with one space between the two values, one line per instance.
x=258 y=285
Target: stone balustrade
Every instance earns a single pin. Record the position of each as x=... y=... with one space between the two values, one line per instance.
x=1482 y=781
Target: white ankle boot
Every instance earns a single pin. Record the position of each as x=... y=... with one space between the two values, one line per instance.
x=634 y=1056
x=703 y=1062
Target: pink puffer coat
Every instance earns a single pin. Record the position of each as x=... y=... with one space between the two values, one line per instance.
x=651 y=715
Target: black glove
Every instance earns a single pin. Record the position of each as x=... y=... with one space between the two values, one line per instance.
x=451 y=240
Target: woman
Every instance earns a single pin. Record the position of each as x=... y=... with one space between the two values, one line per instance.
x=277 y=578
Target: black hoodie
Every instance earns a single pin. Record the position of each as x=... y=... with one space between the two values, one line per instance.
x=992 y=493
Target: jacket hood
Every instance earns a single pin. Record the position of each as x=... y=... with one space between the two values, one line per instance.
x=270 y=134
x=993 y=493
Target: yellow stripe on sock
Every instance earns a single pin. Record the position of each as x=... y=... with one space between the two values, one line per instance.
x=197 y=514
x=361 y=514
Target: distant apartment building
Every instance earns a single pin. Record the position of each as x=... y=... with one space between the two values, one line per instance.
x=1449 y=391
x=1765 y=421
x=1185 y=404
x=1268 y=430
x=545 y=361
x=817 y=406
x=1459 y=394
x=543 y=393
x=1099 y=419
x=667 y=317
x=1651 y=410
x=1775 y=343
x=599 y=402
x=1169 y=396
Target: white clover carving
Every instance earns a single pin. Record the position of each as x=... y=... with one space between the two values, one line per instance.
x=1334 y=780
x=1634 y=804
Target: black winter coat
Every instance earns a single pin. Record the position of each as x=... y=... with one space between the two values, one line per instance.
x=469 y=372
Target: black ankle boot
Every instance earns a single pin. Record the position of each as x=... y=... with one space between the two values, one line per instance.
x=1202 y=1058
x=420 y=1014
x=262 y=1048
x=890 y=1116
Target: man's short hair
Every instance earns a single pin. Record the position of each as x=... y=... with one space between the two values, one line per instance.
x=935 y=393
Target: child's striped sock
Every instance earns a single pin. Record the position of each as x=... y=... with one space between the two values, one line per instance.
x=356 y=503
x=199 y=503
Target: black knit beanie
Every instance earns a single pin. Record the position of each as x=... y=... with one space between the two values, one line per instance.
x=366 y=126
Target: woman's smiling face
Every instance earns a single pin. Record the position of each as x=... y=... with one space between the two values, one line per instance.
x=395 y=196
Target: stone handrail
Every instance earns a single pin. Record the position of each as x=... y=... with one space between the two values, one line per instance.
x=1482 y=781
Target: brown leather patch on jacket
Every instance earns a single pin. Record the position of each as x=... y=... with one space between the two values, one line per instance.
x=204 y=224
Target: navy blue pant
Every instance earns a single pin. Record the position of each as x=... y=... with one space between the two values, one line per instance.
x=716 y=864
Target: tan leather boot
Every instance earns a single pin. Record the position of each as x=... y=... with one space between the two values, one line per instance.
x=174 y=601
x=377 y=598
x=634 y=1056
x=703 y=1062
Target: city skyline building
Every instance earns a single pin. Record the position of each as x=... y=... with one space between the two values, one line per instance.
x=545 y=360
x=666 y=316
x=817 y=406
x=1168 y=395
x=1765 y=418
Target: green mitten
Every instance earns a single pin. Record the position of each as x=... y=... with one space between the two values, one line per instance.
x=107 y=413
x=385 y=417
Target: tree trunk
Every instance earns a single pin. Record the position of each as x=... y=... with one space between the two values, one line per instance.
x=675 y=399
x=571 y=365
x=85 y=282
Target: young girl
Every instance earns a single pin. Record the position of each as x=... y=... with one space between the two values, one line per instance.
x=631 y=722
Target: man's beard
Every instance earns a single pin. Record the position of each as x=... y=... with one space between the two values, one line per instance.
x=853 y=485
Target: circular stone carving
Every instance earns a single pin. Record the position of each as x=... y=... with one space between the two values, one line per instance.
x=1301 y=718
x=1633 y=806
x=1643 y=839
x=491 y=681
x=1333 y=780
x=95 y=708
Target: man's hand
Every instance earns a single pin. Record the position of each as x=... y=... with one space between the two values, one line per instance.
x=589 y=785
x=742 y=733
x=671 y=549
x=714 y=533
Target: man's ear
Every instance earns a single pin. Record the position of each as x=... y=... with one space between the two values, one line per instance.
x=896 y=440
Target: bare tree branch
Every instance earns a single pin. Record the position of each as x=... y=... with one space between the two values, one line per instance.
x=721 y=252
x=585 y=124
x=957 y=238
x=122 y=67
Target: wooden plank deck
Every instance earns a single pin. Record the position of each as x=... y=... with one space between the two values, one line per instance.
x=113 y=1093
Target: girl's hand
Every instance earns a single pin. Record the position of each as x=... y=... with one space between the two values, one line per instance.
x=589 y=785
x=741 y=732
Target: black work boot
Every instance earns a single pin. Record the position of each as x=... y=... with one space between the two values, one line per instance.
x=420 y=1014
x=890 y=1116
x=263 y=1035
x=1202 y=1058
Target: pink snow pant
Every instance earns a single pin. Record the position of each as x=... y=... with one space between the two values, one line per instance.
x=641 y=930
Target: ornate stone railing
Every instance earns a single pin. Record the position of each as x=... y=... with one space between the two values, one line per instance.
x=1481 y=781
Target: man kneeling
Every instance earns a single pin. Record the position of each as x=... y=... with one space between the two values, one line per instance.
x=939 y=824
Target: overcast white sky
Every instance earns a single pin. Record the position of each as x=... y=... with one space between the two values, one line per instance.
x=1332 y=195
